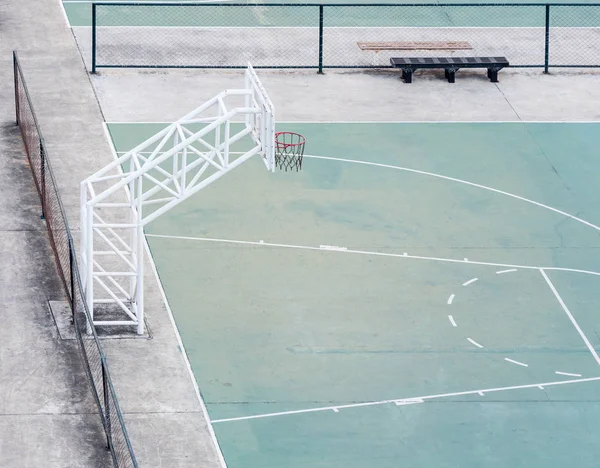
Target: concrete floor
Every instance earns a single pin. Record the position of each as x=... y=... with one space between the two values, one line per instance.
x=47 y=414
x=375 y=95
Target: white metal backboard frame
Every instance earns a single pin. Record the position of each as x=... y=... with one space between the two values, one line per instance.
x=155 y=176
x=263 y=123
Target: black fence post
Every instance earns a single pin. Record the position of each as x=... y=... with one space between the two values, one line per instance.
x=42 y=176
x=106 y=405
x=320 y=39
x=93 y=38
x=15 y=71
x=547 y=47
x=71 y=275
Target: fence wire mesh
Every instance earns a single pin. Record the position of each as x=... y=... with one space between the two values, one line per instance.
x=574 y=35
x=64 y=250
x=277 y=35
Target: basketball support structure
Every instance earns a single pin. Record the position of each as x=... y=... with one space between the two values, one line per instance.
x=154 y=177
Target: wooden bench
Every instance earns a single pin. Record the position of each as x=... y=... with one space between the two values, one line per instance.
x=428 y=45
x=450 y=65
x=412 y=45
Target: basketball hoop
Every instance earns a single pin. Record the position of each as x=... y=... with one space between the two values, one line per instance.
x=289 y=149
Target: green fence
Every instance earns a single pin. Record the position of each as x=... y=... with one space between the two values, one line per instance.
x=66 y=261
x=320 y=36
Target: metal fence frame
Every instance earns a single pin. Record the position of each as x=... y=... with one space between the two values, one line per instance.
x=321 y=14
x=65 y=255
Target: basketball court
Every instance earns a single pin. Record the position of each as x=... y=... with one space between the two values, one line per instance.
x=418 y=291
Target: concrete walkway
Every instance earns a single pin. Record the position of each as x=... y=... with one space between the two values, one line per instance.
x=47 y=414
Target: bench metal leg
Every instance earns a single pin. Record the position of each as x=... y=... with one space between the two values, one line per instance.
x=450 y=74
x=407 y=75
x=493 y=74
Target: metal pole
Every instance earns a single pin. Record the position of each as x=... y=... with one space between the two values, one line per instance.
x=139 y=244
x=106 y=405
x=16 y=70
x=89 y=265
x=321 y=39
x=93 y=38
x=43 y=176
x=72 y=274
x=547 y=47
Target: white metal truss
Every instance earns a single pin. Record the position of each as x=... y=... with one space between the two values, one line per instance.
x=146 y=182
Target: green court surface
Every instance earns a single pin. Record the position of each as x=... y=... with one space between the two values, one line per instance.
x=430 y=14
x=420 y=295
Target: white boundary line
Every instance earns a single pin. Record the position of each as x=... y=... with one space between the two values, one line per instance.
x=211 y=430
x=460 y=181
x=518 y=363
x=365 y=252
x=316 y=27
x=567 y=373
x=473 y=342
x=501 y=272
x=209 y=425
x=118 y=2
x=472 y=280
x=573 y=321
x=482 y=122
x=400 y=400
x=64 y=12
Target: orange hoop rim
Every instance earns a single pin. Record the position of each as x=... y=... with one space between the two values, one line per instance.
x=280 y=144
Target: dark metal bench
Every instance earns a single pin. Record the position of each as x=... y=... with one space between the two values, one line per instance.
x=450 y=65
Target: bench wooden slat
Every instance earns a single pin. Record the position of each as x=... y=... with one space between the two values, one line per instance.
x=427 y=45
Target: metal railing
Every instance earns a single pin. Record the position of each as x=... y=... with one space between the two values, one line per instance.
x=319 y=36
x=66 y=261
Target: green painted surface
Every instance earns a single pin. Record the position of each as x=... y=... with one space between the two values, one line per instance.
x=427 y=15
x=276 y=329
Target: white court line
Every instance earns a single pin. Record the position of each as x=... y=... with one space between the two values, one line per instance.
x=188 y=366
x=152 y=2
x=501 y=272
x=467 y=283
x=332 y=247
x=470 y=340
x=384 y=402
x=503 y=28
x=460 y=181
x=481 y=393
x=450 y=299
x=64 y=12
x=409 y=401
x=483 y=122
x=365 y=252
x=387 y=121
x=452 y=321
x=517 y=363
x=568 y=312
x=567 y=373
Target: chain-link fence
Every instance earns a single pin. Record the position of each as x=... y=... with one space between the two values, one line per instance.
x=66 y=261
x=277 y=35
